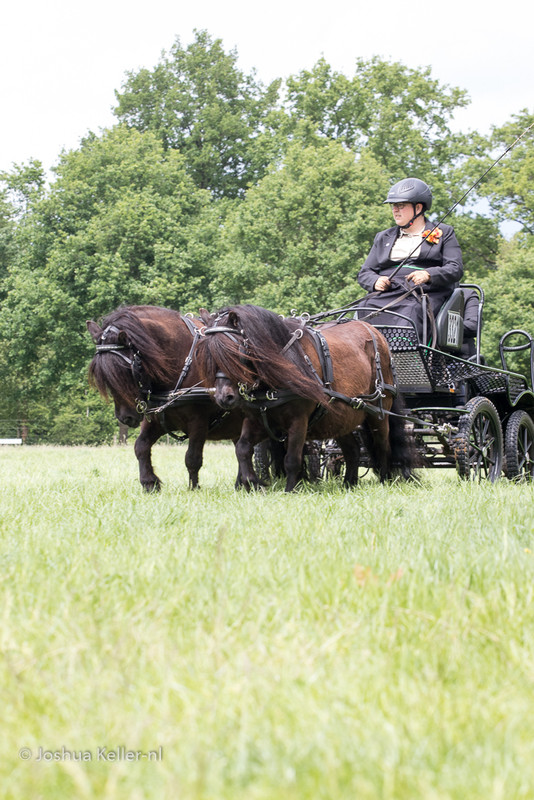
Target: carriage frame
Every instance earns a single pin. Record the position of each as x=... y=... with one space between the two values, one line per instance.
x=460 y=412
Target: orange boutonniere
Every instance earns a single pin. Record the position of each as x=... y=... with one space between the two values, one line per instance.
x=432 y=236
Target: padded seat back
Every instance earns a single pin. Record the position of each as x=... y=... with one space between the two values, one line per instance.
x=450 y=323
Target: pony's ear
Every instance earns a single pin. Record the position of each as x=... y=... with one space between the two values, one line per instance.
x=205 y=315
x=233 y=319
x=122 y=338
x=94 y=329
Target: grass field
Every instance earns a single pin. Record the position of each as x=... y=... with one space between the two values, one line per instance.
x=376 y=643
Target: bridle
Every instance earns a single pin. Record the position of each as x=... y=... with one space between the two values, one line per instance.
x=244 y=350
x=134 y=361
x=132 y=357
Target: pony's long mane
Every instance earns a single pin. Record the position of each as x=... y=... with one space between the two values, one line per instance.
x=257 y=354
x=152 y=331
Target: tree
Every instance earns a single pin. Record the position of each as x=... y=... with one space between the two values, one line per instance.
x=197 y=101
x=509 y=301
x=298 y=239
x=123 y=223
x=508 y=187
x=399 y=115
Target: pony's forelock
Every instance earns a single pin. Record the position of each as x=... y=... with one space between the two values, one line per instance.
x=257 y=354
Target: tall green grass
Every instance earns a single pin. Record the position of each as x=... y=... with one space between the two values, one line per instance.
x=372 y=643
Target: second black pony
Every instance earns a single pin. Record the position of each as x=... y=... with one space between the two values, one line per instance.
x=299 y=383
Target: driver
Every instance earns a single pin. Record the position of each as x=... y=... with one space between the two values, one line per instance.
x=424 y=258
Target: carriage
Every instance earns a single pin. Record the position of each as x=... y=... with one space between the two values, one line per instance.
x=460 y=412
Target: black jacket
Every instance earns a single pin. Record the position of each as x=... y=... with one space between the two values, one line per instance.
x=442 y=260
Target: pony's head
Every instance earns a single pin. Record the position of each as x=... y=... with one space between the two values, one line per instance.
x=131 y=359
x=245 y=347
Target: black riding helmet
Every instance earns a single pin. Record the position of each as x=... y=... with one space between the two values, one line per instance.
x=411 y=190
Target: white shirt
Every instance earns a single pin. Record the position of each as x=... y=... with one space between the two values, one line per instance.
x=407 y=244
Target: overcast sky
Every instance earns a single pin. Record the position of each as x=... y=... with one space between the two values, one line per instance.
x=62 y=60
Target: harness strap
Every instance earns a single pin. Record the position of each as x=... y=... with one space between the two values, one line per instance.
x=215 y=422
x=391 y=304
x=297 y=334
x=366 y=403
x=323 y=352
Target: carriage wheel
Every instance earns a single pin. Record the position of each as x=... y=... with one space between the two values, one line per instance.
x=262 y=460
x=519 y=447
x=312 y=461
x=478 y=445
x=333 y=463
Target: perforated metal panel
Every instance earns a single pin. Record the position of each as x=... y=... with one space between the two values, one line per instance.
x=421 y=368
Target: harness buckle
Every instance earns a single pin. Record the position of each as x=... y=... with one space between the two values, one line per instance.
x=243 y=391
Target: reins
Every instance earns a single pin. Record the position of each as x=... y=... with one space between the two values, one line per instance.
x=264 y=400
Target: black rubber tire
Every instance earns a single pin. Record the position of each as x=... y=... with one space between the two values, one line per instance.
x=478 y=445
x=519 y=447
x=312 y=461
x=262 y=461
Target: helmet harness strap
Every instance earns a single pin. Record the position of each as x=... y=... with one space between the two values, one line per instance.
x=411 y=222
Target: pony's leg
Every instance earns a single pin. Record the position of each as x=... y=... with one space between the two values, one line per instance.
x=252 y=432
x=149 y=434
x=198 y=433
x=403 y=451
x=296 y=437
x=350 y=447
x=375 y=433
x=239 y=480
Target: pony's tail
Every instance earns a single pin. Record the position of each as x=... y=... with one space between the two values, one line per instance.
x=403 y=451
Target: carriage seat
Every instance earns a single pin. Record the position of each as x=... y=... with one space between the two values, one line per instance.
x=450 y=323
x=459 y=322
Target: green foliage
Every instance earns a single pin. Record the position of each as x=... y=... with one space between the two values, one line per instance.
x=197 y=101
x=122 y=224
x=480 y=240
x=400 y=115
x=25 y=183
x=300 y=236
x=212 y=189
x=509 y=301
x=509 y=188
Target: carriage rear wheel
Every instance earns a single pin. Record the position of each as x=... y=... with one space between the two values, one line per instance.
x=519 y=447
x=269 y=460
x=478 y=445
x=312 y=461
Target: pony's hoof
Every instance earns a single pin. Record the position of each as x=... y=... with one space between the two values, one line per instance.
x=152 y=487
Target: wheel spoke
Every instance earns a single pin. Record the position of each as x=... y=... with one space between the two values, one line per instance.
x=519 y=442
x=524 y=447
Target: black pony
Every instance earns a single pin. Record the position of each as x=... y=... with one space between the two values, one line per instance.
x=272 y=368
x=145 y=361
